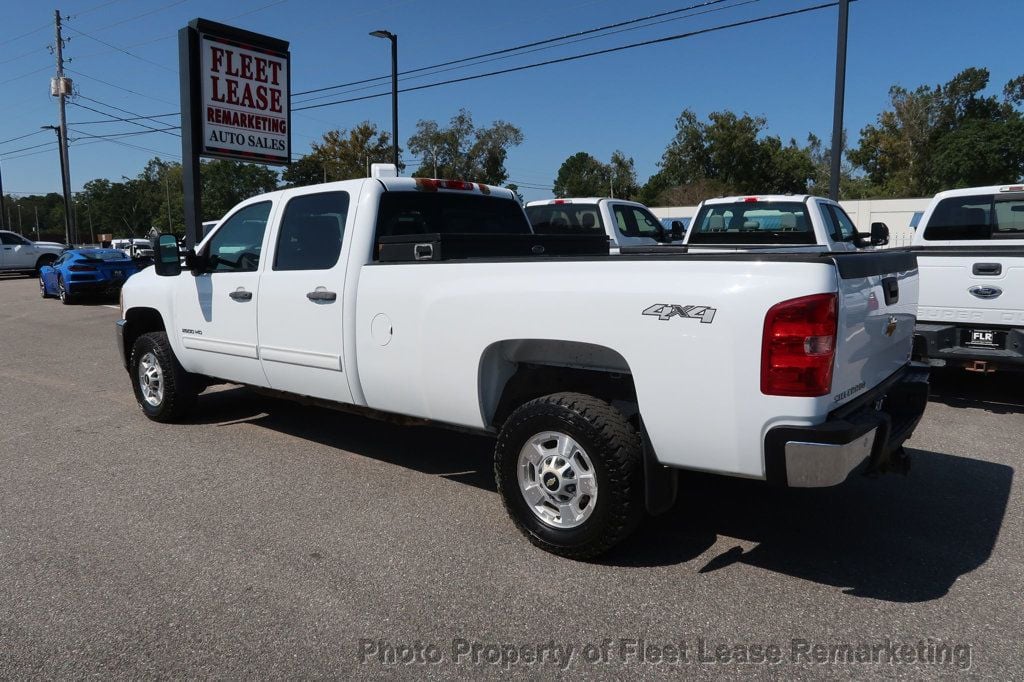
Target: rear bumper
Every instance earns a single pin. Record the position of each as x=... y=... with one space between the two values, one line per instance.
x=871 y=429
x=945 y=342
x=109 y=286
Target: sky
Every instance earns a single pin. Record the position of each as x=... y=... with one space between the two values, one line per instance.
x=123 y=58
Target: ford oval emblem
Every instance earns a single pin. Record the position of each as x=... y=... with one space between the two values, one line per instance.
x=985 y=291
x=537 y=249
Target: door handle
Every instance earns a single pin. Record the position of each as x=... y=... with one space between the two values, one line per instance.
x=241 y=295
x=322 y=295
x=987 y=269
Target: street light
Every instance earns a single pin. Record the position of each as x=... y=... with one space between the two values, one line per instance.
x=394 y=85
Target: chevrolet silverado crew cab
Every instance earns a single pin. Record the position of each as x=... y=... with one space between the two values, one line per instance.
x=626 y=223
x=600 y=375
x=795 y=222
x=970 y=246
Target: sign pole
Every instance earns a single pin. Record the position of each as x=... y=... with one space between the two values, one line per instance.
x=191 y=126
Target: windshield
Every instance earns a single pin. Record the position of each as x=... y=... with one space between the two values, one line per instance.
x=752 y=222
x=565 y=219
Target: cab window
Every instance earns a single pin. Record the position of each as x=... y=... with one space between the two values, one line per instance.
x=311 y=232
x=635 y=222
x=843 y=229
x=235 y=247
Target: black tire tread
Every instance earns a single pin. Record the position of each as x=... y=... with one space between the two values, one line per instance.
x=180 y=387
x=621 y=456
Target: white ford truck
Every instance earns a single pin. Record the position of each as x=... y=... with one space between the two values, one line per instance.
x=626 y=223
x=792 y=222
x=970 y=246
x=601 y=375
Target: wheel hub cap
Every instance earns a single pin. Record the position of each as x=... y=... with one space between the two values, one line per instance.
x=151 y=380
x=557 y=479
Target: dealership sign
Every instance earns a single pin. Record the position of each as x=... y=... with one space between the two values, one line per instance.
x=245 y=101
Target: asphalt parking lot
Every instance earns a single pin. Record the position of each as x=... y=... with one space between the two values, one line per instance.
x=269 y=539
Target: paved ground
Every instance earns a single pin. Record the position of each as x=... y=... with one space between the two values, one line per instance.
x=266 y=539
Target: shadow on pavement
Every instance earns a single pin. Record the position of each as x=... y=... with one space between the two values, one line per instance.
x=998 y=393
x=893 y=538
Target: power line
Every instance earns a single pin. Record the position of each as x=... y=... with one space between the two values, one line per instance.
x=519 y=47
x=127 y=119
x=110 y=135
x=655 y=41
x=22 y=137
x=121 y=49
x=25 y=75
x=124 y=120
x=119 y=87
x=35 y=146
x=100 y=138
x=26 y=34
x=137 y=16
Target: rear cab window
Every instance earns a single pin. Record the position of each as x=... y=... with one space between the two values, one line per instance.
x=565 y=218
x=409 y=213
x=752 y=222
x=312 y=231
x=977 y=217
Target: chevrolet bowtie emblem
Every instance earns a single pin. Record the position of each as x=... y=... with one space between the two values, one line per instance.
x=891 y=327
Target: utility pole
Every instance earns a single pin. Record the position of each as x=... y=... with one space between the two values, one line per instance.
x=167 y=189
x=37 y=222
x=840 y=94
x=61 y=87
x=21 y=230
x=3 y=203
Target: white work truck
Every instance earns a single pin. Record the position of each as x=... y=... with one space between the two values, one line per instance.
x=792 y=222
x=600 y=375
x=626 y=223
x=970 y=246
x=18 y=254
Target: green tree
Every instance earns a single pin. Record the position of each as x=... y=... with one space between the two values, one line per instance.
x=950 y=135
x=463 y=151
x=731 y=153
x=582 y=175
x=225 y=183
x=623 y=176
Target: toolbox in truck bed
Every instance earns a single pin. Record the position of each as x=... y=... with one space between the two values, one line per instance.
x=455 y=246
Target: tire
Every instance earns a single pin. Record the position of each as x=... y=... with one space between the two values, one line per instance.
x=42 y=288
x=163 y=389
x=62 y=293
x=554 y=441
x=44 y=260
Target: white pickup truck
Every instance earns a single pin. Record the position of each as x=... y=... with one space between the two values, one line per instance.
x=970 y=246
x=601 y=375
x=626 y=223
x=794 y=222
x=18 y=254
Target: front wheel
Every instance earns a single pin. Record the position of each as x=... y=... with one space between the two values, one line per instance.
x=570 y=472
x=163 y=389
x=42 y=288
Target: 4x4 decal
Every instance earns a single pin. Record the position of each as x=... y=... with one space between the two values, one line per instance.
x=666 y=311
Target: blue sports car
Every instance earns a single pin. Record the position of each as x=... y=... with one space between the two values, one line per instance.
x=85 y=271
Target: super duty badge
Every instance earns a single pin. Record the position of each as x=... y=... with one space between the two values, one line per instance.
x=666 y=311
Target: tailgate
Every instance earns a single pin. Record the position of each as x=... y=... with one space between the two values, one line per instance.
x=878 y=294
x=984 y=287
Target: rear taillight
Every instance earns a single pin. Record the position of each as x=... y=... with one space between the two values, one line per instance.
x=82 y=268
x=799 y=346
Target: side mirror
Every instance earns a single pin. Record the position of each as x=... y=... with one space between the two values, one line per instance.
x=167 y=262
x=659 y=234
x=677 y=230
x=879 y=234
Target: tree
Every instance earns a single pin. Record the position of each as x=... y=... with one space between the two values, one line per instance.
x=732 y=153
x=225 y=183
x=462 y=151
x=623 y=176
x=951 y=135
x=581 y=175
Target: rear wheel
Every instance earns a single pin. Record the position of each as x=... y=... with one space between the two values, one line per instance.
x=42 y=288
x=163 y=389
x=62 y=292
x=570 y=473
